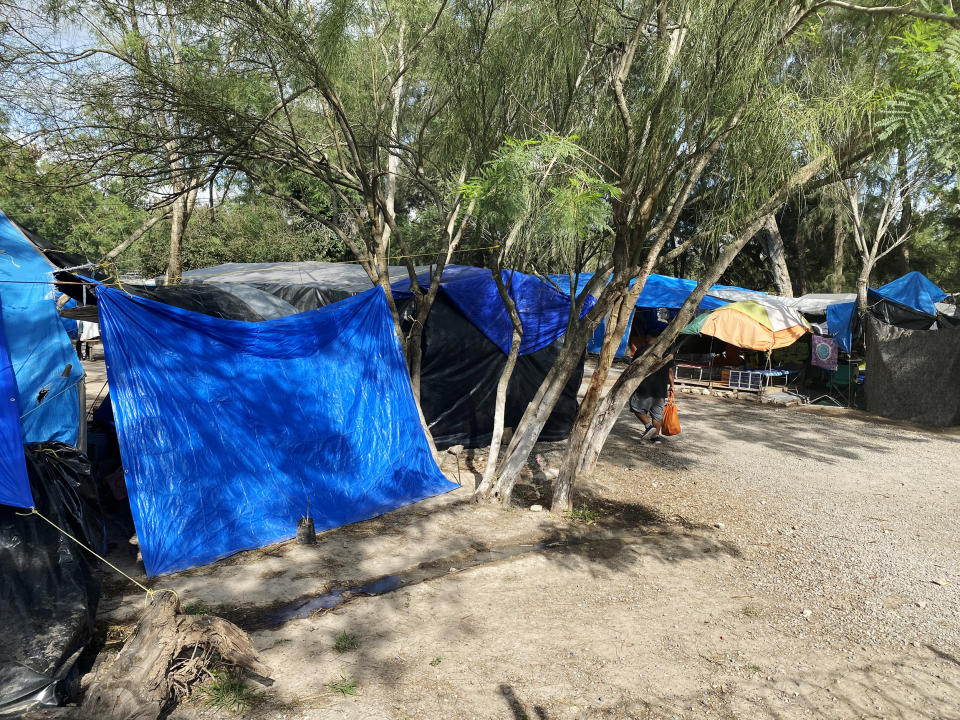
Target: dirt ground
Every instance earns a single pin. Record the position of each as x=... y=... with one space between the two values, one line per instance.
x=767 y=563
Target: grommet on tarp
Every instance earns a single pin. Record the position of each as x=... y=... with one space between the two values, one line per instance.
x=306 y=534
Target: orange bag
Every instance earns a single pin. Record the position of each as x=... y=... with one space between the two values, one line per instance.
x=671 y=421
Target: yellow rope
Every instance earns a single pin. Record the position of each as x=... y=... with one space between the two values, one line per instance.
x=150 y=593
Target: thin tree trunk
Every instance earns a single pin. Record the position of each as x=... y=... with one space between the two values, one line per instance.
x=863 y=282
x=139 y=233
x=839 y=238
x=486 y=490
x=800 y=242
x=777 y=255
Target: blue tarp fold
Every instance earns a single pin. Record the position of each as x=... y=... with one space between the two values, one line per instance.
x=44 y=363
x=14 y=483
x=228 y=429
x=543 y=310
x=840 y=323
x=914 y=290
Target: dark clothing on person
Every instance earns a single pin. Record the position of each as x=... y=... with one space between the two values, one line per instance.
x=655 y=385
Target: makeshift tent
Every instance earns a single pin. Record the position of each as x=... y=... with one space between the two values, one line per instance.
x=44 y=363
x=908 y=302
x=913 y=374
x=751 y=324
x=49 y=588
x=231 y=431
x=659 y=291
x=465 y=339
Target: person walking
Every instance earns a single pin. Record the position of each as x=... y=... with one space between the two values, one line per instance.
x=650 y=398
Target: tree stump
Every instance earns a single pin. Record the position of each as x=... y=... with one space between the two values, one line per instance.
x=160 y=662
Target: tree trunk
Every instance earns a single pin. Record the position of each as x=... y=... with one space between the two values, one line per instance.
x=486 y=490
x=616 y=327
x=777 y=254
x=863 y=282
x=163 y=659
x=180 y=216
x=581 y=461
x=800 y=242
x=839 y=238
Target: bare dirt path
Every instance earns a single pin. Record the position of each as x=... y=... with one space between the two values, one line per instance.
x=767 y=563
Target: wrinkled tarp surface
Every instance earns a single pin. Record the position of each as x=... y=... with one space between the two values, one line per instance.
x=229 y=430
x=462 y=357
x=659 y=291
x=44 y=362
x=50 y=589
x=913 y=374
x=14 y=486
x=914 y=290
x=840 y=323
x=543 y=310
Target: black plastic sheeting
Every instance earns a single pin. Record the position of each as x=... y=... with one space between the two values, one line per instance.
x=459 y=375
x=913 y=375
x=50 y=588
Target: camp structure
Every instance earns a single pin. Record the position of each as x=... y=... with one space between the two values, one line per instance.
x=48 y=587
x=465 y=340
x=657 y=303
x=912 y=342
x=232 y=431
x=757 y=324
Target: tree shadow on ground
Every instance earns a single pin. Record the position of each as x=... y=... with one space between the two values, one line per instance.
x=517 y=707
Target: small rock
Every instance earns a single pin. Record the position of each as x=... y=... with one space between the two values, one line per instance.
x=921 y=604
x=807 y=613
x=536 y=508
x=455 y=450
x=940 y=581
x=719 y=526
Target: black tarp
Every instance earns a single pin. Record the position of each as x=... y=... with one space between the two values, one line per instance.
x=913 y=375
x=50 y=587
x=459 y=375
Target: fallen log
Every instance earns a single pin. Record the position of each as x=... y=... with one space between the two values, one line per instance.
x=165 y=657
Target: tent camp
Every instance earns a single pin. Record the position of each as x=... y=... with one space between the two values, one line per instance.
x=231 y=431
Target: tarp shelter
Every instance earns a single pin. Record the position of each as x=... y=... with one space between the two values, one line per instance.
x=913 y=374
x=908 y=302
x=659 y=292
x=230 y=431
x=44 y=363
x=465 y=340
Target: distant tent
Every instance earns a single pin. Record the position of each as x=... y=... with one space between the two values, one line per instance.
x=909 y=302
x=660 y=292
x=231 y=431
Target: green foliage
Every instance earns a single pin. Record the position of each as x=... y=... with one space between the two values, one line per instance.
x=583 y=514
x=344 y=686
x=228 y=690
x=436 y=661
x=345 y=642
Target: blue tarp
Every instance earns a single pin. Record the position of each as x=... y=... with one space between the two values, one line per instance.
x=14 y=484
x=543 y=310
x=659 y=291
x=913 y=290
x=44 y=362
x=840 y=323
x=228 y=429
